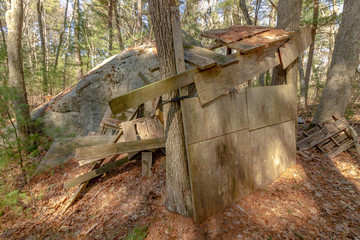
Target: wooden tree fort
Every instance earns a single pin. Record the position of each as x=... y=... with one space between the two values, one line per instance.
x=238 y=138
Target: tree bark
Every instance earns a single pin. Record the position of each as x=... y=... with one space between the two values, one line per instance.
x=14 y=21
x=61 y=36
x=178 y=191
x=77 y=41
x=39 y=6
x=118 y=26
x=139 y=15
x=304 y=89
x=245 y=12
x=288 y=18
x=345 y=60
x=110 y=25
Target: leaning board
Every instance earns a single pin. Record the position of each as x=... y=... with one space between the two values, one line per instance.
x=220 y=172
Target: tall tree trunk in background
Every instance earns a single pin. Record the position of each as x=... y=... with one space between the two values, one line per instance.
x=77 y=41
x=14 y=21
x=288 y=18
x=178 y=191
x=2 y=33
x=304 y=88
x=61 y=36
x=301 y=72
x=39 y=7
x=139 y=15
x=110 y=25
x=345 y=60
x=118 y=26
x=245 y=12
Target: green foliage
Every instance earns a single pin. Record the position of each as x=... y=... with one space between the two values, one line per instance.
x=138 y=233
x=12 y=200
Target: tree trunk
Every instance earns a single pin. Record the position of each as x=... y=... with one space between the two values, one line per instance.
x=289 y=12
x=118 y=26
x=39 y=6
x=139 y=15
x=301 y=73
x=304 y=89
x=14 y=21
x=77 y=41
x=345 y=59
x=110 y=25
x=178 y=191
x=245 y=12
x=61 y=36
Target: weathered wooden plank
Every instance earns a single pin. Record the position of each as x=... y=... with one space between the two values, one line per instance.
x=217 y=81
x=341 y=148
x=151 y=91
x=129 y=135
x=94 y=173
x=354 y=136
x=324 y=133
x=150 y=128
x=221 y=60
x=274 y=37
x=270 y=105
x=199 y=61
x=146 y=161
x=144 y=78
x=273 y=151
x=223 y=116
x=221 y=172
x=105 y=150
x=295 y=46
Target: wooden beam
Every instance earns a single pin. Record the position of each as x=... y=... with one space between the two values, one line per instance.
x=146 y=161
x=217 y=81
x=129 y=135
x=151 y=91
x=199 y=61
x=144 y=78
x=94 y=173
x=295 y=46
x=221 y=60
x=344 y=146
x=105 y=150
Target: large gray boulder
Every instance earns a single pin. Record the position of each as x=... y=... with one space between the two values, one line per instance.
x=80 y=110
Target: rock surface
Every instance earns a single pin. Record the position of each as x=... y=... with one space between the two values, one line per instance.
x=80 y=110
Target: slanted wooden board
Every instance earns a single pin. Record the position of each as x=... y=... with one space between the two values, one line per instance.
x=295 y=46
x=199 y=61
x=146 y=161
x=217 y=81
x=270 y=105
x=274 y=37
x=129 y=135
x=221 y=60
x=220 y=172
x=327 y=131
x=347 y=144
x=226 y=115
x=150 y=128
x=105 y=150
x=151 y=91
x=273 y=151
x=94 y=173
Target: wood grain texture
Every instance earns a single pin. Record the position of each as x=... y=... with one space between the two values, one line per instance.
x=270 y=105
x=273 y=151
x=225 y=115
x=199 y=61
x=146 y=161
x=295 y=46
x=129 y=135
x=105 y=150
x=220 y=171
x=151 y=91
x=221 y=60
x=327 y=131
x=94 y=173
x=150 y=128
x=217 y=81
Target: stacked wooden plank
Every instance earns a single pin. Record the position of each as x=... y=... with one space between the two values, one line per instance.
x=332 y=138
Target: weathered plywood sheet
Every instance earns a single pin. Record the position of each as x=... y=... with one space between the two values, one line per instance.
x=225 y=115
x=270 y=105
x=217 y=81
x=273 y=151
x=220 y=172
x=293 y=48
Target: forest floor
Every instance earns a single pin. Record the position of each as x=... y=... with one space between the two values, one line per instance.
x=317 y=198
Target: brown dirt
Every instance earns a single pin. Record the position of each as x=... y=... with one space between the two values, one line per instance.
x=316 y=198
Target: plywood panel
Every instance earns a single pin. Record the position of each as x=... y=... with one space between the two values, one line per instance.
x=225 y=115
x=216 y=81
x=220 y=172
x=273 y=151
x=270 y=105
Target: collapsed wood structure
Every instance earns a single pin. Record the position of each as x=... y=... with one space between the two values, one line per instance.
x=238 y=137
